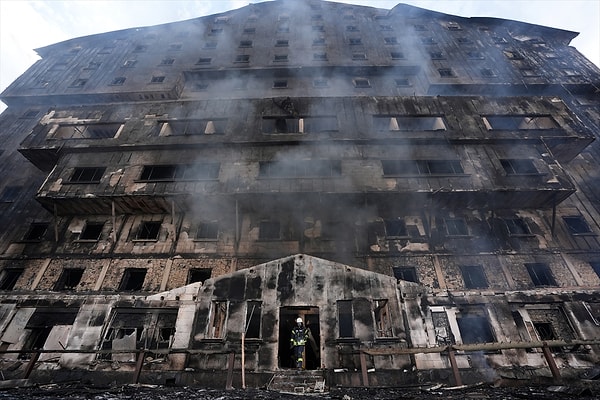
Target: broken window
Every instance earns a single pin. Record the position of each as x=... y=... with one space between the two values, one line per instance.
x=320 y=83
x=215 y=126
x=282 y=43
x=453 y=26
x=402 y=82
x=215 y=31
x=204 y=60
x=143 y=329
x=269 y=230
x=218 y=319
x=280 y=84
x=199 y=275
x=550 y=324
x=383 y=321
x=129 y=63
x=437 y=55
x=513 y=55
x=577 y=225
x=242 y=58
x=158 y=173
x=390 y=40
x=300 y=169
x=519 y=122
x=35 y=340
x=456 y=227
x=529 y=72
x=167 y=61
x=87 y=175
x=474 y=329
x=78 y=83
x=118 y=81
x=395 y=228
x=441 y=325
x=157 y=79
x=405 y=273
x=320 y=56
x=345 y=319
x=519 y=167
x=9 y=278
x=283 y=125
x=446 y=72
x=352 y=28
x=148 y=230
x=540 y=274
x=69 y=279
x=36 y=232
x=245 y=43
x=133 y=279
x=397 y=55
x=473 y=276
x=91 y=231
x=47 y=329
x=487 y=73
x=319 y=42
x=30 y=113
x=421 y=167
x=253 y=318
x=517 y=227
x=10 y=194
x=140 y=48
x=385 y=123
x=362 y=83
x=207 y=231
x=359 y=56
x=90 y=131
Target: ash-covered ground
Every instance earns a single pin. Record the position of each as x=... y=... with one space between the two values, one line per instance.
x=145 y=392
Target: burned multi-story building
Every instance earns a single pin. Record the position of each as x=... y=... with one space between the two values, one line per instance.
x=422 y=189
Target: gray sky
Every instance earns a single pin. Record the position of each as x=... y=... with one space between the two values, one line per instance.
x=27 y=25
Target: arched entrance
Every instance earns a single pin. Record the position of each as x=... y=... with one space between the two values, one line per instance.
x=287 y=320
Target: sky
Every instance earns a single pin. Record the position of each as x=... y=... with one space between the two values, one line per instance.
x=27 y=25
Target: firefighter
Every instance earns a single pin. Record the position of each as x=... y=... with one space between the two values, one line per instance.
x=300 y=335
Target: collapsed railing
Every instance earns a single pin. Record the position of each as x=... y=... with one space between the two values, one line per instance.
x=362 y=352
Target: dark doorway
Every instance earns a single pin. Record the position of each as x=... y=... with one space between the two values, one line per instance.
x=287 y=321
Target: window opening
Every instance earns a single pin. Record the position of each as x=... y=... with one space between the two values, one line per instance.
x=90 y=131
x=210 y=45
x=118 y=81
x=345 y=319
x=9 y=278
x=402 y=82
x=362 y=83
x=540 y=274
x=129 y=63
x=36 y=232
x=91 y=231
x=78 y=83
x=395 y=228
x=456 y=227
x=397 y=55
x=253 y=318
x=242 y=58
x=300 y=168
x=320 y=56
x=280 y=84
x=446 y=72
x=249 y=31
x=245 y=43
x=383 y=322
x=269 y=230
x=390 y=40
x=437 y=55
x=197 y=127
x=577 y=225
x=319 y=42
x=517 y=227
x=69 y=279
x=320 y=83
x=354 y=41
x=157 y=79
x=282 y=43
x=133 y=279
x=199 y=275
x=519 y=167
x=596 y=267
x=359 y=56
x=167 y=61
x=191 y=172
x=421 y=167
x=405 y=273
x=204 y=60
x=474 y=276
x=408 y=123
x=87 y=175
x=487 y=73
x=441 y=324
x=148 y=230
x=218 y=320
x=475 y=329
x=207 y=231
x=519 y=122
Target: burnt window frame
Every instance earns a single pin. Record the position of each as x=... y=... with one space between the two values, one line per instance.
x=204 y=61
x=397 y=55
x=157 y=79
x=421 y=168
x=595 y=265
x=36 y=232
x=107 y=130
x=320 y=56
x=118 y=81
x=180 y=172
x=469 y=334
x=541 y=274
x=91 y=232
x=207 y=231
x=217 y=324
x=9 y=277
x=474 y=276
x=269 y=230
x=409 y=123
x=246 y=44
x=79 y=83
x=395 y=228
x=282 y=43
x=253 y=320
x=345 y=314
x=390 y=40
x=69 y=279
x=86 y=175
x=242 y=59
x=577 y=225
x=446 y=73
x=517 y=227
x=405 y=272
x=293 y=169
x=488 y=73
x=167 y=61
x=456 y=227
x=361 y=83
x=516 y=122
x=194 y=127
x=382 y=319
x=133 y=280
x=519 y=167
x=148 y=231
x=359 y=57
x=355 y=41
x=280 y=58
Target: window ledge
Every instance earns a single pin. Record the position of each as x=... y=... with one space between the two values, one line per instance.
x=459 y=236
x=522 y=235
x=384 y=340
x=144 y=240
x=428 y=176
x=351 y=340
x=86 y=241
x=205 y=240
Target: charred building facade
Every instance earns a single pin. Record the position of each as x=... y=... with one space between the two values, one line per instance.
x=422 y=189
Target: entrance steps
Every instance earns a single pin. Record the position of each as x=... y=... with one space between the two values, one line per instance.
x=298 y=381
